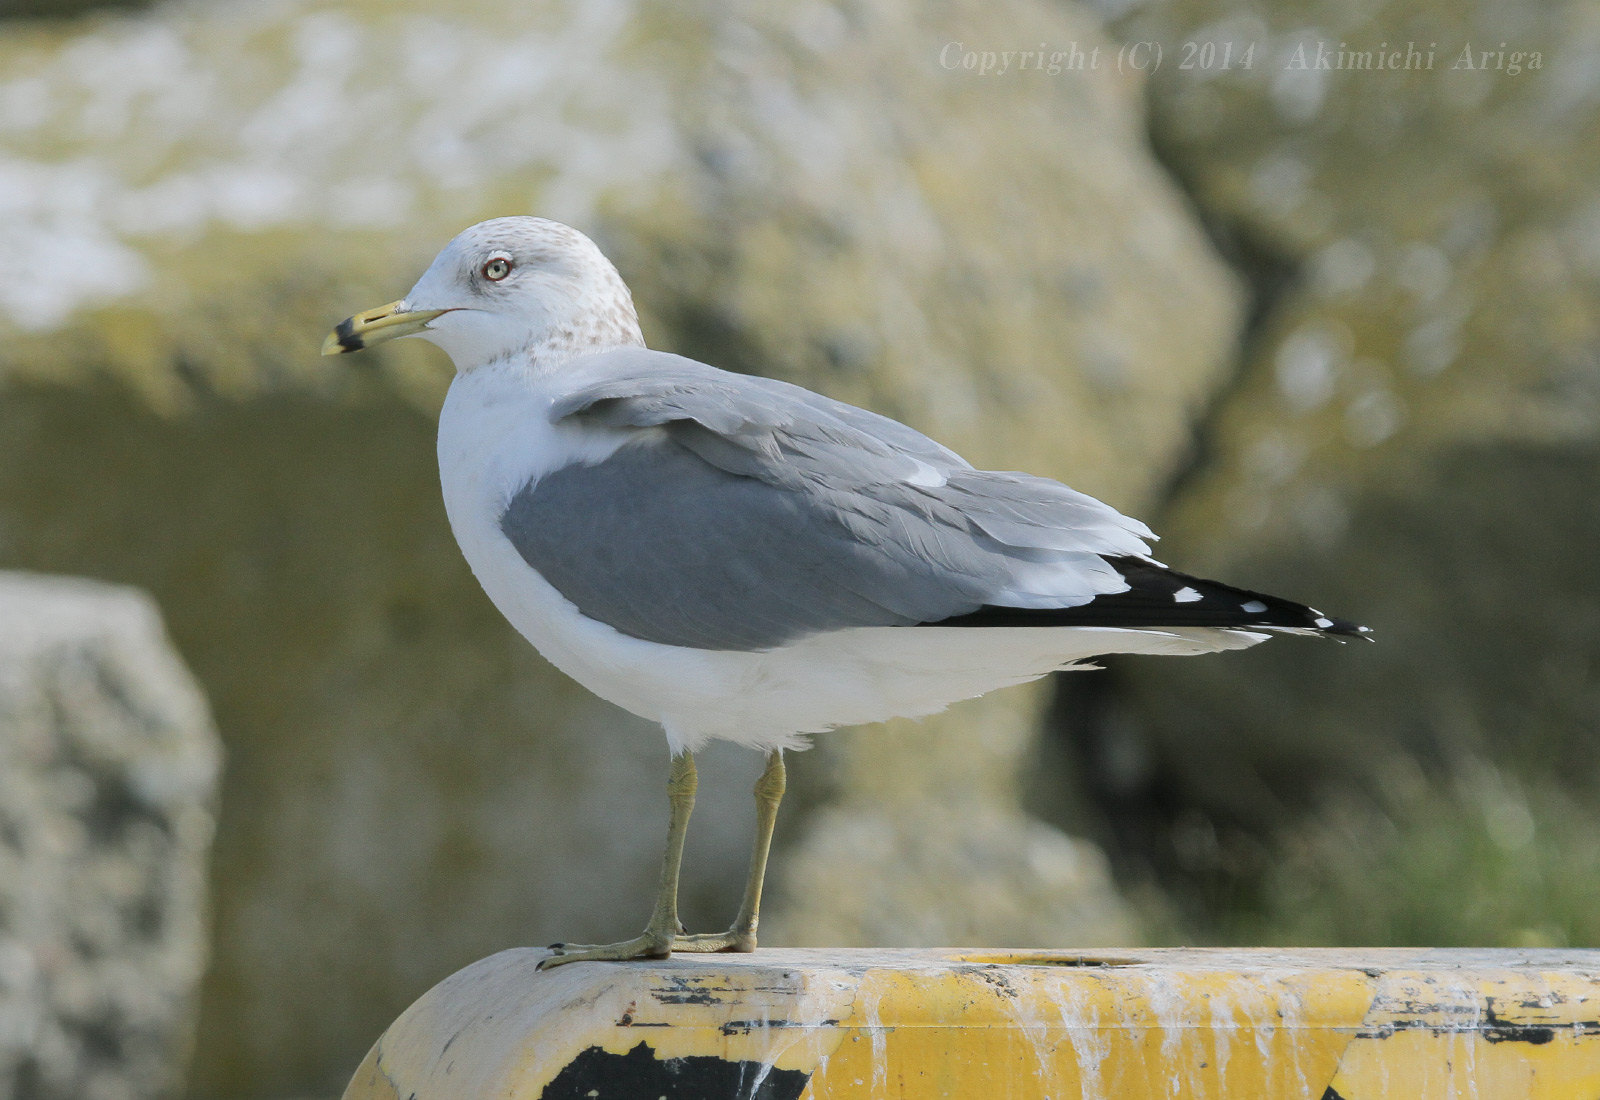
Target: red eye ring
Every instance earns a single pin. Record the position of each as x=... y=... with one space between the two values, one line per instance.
x=496 y=269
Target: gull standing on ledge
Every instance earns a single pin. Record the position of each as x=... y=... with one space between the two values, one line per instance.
x=738 y=558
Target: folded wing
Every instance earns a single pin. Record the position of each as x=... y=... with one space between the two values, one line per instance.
x=748 y=513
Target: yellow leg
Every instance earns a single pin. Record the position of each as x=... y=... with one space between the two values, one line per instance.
x=742 y=936
x=657 y=940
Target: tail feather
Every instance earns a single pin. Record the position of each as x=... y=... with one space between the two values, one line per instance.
x=1162 y=597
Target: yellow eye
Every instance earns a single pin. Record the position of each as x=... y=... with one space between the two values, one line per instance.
x=497 y=269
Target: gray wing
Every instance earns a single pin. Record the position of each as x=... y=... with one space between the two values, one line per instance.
x=750 y=513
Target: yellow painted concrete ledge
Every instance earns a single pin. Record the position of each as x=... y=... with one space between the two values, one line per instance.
x=1392 y=1024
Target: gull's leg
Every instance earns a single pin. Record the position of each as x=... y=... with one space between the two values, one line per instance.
x=656 y=942
x=742 y=936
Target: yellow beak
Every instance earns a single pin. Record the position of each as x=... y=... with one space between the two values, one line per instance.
x=377 y=325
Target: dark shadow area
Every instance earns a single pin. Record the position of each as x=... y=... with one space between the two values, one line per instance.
x=64 y=9
x=1205 y=775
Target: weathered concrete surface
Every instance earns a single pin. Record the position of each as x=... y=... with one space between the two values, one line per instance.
x=1415 y=443
x=108 y=770
x=197 y=193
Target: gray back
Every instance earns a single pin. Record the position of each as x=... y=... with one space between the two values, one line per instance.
x=759 y=513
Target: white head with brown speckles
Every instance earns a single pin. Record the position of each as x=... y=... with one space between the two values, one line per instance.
x=504 y=288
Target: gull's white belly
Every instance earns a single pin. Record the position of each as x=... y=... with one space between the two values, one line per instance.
x=495 y=435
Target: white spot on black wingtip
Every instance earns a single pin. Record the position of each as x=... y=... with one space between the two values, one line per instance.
x=1323 y=623
x=1186 y=595
x=1253 y=607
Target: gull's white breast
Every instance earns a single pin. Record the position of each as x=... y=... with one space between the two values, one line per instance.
x=495 y=436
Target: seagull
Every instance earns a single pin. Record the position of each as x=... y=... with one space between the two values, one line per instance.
x=742 y=559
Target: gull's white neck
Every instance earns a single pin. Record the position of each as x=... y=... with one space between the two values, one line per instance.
x=478 y=341
x=601 y=330
x=495 y=435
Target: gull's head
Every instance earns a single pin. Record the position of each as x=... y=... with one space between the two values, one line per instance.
x=505 y=288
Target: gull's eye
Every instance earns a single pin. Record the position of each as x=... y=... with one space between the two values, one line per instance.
x=497 y=269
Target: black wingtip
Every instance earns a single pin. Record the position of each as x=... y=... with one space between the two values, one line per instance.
x=1337 y=628
x=1158 y=597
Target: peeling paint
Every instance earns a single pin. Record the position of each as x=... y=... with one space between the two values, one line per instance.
x=928 y=1025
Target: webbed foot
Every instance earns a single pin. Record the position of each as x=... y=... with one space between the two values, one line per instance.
x=734 y=939
x=651 y=945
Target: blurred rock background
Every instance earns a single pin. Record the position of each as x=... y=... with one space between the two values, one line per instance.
x=1412 y=439
x=108 y=769
x=1333 y=331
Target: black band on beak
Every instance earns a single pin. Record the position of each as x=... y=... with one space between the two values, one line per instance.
x=347 y=336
